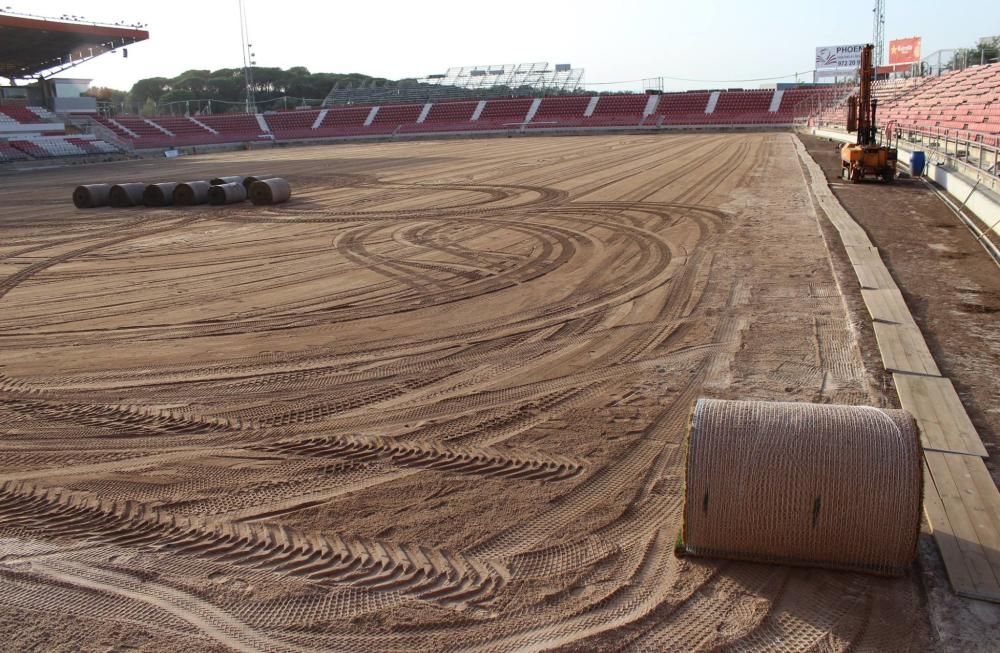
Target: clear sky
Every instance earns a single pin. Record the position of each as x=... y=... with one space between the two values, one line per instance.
x=613 y=40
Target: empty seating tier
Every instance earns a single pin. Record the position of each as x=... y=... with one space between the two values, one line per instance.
x=43 y=147
x=233 y=126
x=344 y=121
x=499 y=114
x=616 y=110
x=292 y=124
x=564 y=111
x=182 y=126
x=445 y=116
x=743 y=108
x=10 y=153
x=963 y=104
x=21 y=115
x=684 y=109
x=390 y=118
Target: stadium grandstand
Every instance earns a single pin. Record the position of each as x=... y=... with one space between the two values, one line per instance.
x=956 y=114
x=38 y=49
x=492 y=98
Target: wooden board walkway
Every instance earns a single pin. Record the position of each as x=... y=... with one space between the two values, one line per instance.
x=961 y=500
x=945 y=426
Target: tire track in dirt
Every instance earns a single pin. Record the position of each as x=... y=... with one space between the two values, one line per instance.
x=204 y=616
x=12 y=281
x=418 y=346
x=446 y=578
x=464 y=460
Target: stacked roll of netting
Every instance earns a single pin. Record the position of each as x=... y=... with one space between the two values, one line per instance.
x=803 y=484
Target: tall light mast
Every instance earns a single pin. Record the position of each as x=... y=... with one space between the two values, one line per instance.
x=248 y=61
x=878 y=32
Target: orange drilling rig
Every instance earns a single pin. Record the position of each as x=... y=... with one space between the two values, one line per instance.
x=867 y=157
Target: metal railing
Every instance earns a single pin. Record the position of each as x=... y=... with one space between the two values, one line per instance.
x=821 y=101
x=945 y=143
x=946 y=146
x=87 y=125
x=941 y=62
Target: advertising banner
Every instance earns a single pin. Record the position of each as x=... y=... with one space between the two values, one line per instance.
x=904 y=51
x=839 y=57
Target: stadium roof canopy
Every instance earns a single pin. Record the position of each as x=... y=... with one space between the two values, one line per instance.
x=38 y=47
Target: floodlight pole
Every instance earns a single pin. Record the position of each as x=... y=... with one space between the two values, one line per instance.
x=251 y=102
x=878 y=32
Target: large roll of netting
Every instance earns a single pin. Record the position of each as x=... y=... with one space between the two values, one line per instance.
x=248 y=181
x=191 y=193
x=122 y=195
x=90 y=196
x=803 y=484
x=227 y=194
x=233 y=179
x=159 y=194
x=270 y=191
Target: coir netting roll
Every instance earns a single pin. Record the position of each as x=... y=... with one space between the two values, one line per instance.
x=234 y=179
x=90 y=196
x=159 y=194
x=270 y=191
x=227 y=194
x=803 y=484
x=248 y=181
x=191 y=193
x=122 y=195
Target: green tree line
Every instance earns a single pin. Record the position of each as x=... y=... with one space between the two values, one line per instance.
x=226 y=89
x=987 y=50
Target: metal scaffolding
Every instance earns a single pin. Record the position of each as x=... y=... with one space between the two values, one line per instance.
x=878 y=32
x=465 y=82
x=539 y=76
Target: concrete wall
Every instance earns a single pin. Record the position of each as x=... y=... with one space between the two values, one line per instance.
x=12 y=130
x=75 y=105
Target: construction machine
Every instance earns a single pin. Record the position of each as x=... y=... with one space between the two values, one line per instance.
x=868 y=157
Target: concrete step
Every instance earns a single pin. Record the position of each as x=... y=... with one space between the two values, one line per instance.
x=713 y=99
x=776 y=101
x=479 y=110
x=652 y=102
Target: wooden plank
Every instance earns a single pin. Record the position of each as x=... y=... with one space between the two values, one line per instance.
x=887 y=305
x=970 y=521
x=870 y=269
x=851 y=233
x=944 y=424
x=854 y=235
x=955 y=564
x=903 y=349
x=860 y=254
x=874 y=276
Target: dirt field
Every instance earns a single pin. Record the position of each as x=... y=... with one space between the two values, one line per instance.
x=436 y=402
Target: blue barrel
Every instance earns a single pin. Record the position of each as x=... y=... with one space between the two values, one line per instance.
x=917 y=161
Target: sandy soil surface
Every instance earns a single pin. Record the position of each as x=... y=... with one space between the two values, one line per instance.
x=952 y=288
x=951 y=285
x=436 y=402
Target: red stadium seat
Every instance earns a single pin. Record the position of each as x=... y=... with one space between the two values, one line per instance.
x=966 y=103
